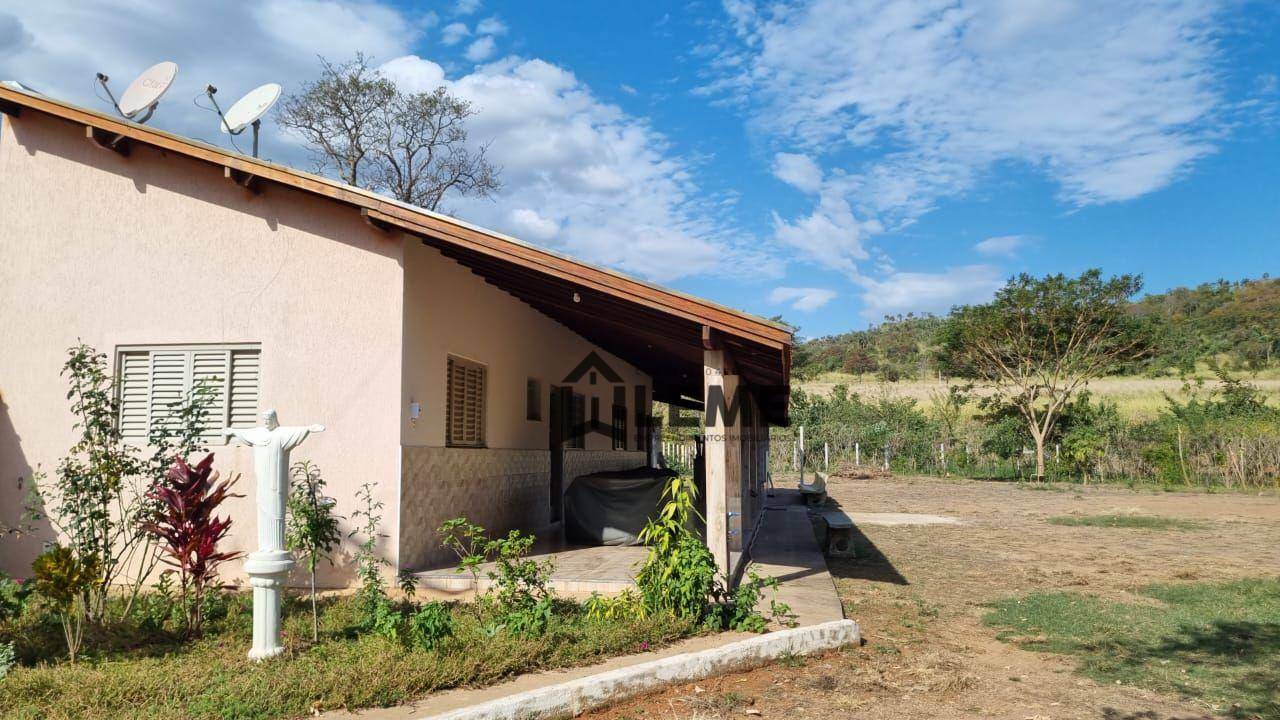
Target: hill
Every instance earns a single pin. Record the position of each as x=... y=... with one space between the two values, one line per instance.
x=1234 y=324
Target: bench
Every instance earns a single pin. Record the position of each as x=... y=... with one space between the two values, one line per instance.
x=814 y=493
x=839 y=533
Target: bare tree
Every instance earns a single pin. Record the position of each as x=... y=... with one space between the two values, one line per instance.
x=411 y=146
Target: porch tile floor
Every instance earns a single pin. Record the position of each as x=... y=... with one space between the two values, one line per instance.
x=578 y=572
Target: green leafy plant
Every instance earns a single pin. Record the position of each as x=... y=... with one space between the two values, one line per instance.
x=62 y=576
x=407 y=583
x=382 y=617
x=468 y=541
x=312 y=527
x=13 y=596
x=626 y=604
x=8 y=658
x=680 y=573
x=372 y=595
x=520 y=584
x=430 y=625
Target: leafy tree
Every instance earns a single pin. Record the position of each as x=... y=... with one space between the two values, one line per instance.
x=412 y=146
x=1040 y=340
x=98 y=495
x=312 y=528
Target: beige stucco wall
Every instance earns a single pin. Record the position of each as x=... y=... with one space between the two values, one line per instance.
x=451 y=311
x=156 y=248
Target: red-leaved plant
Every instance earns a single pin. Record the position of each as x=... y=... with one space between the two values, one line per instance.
x=188 y=531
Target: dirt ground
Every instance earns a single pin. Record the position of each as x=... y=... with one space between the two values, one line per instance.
x=920 y=592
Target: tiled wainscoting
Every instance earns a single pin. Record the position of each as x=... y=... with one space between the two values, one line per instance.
x=499 y=489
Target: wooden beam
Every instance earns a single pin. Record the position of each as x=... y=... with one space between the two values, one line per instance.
x=375 y=223
x=11 y=109
x=107 y=141
x=246 y=180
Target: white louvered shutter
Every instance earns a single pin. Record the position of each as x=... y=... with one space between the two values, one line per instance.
x=209 y=369
x=152 y=380
x=169 y=381
x=135 y=394
x=243 y=402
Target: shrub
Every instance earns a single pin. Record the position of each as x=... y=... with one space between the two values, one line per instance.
x=7 y=659
x=626 y=604
x=680 y=573
x=312 y=528
x=189 y=532
x=63 y=578
x=372 y=595
x=13 y=596
x=430 y=625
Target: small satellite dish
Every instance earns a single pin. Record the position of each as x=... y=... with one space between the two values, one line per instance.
x=247 y=111
x=144 y=93
x=250 y=108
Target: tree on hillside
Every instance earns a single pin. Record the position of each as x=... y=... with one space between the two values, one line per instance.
x=1040 y=340
x=411 y=146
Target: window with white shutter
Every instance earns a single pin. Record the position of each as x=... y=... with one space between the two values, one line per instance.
x=464 y=410
x=152 y=379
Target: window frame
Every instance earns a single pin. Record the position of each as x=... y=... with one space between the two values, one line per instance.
x=482 y=404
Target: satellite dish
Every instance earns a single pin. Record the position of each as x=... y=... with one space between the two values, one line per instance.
x=144 y=93
x=250 y=108
x=247 y=111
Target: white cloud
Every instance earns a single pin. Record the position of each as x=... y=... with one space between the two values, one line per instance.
x=903 y=292
x=802 y=299
x=453 y=33
x=466 y=7
x=628 y=89
x=584 y=177
x=830 y=236
x=491 y=26
x=1006 y=245
x=912 y=102
x=59 y=47
x=481 y=49
x=529 y=224
x=799 y=171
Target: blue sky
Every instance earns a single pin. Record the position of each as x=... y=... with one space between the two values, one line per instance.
x=828 y=161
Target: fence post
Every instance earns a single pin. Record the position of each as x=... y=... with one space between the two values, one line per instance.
x=826 y=457
x=857 y=455
x=795 y=455
x=886 y=456
x=942 y=455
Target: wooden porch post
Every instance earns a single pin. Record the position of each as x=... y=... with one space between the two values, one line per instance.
x=718 y=454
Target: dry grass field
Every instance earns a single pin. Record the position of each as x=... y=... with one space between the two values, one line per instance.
x=1137 y=397
x=1105 y=620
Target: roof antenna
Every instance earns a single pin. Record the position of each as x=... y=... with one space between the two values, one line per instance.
x=144 y=93
x=247 y=111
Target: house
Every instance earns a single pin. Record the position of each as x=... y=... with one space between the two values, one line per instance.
x=449 y=363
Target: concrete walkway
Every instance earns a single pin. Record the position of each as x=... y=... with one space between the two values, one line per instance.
x=785 y=548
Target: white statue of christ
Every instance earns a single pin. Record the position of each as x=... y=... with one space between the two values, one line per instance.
x=270 y=564
x=271 y=445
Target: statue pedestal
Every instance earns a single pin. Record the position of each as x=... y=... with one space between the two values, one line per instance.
x=267 y=570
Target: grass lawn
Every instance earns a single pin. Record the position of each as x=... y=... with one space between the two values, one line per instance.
x=1139 y=522
x=1216 y=643
x=156 y=676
